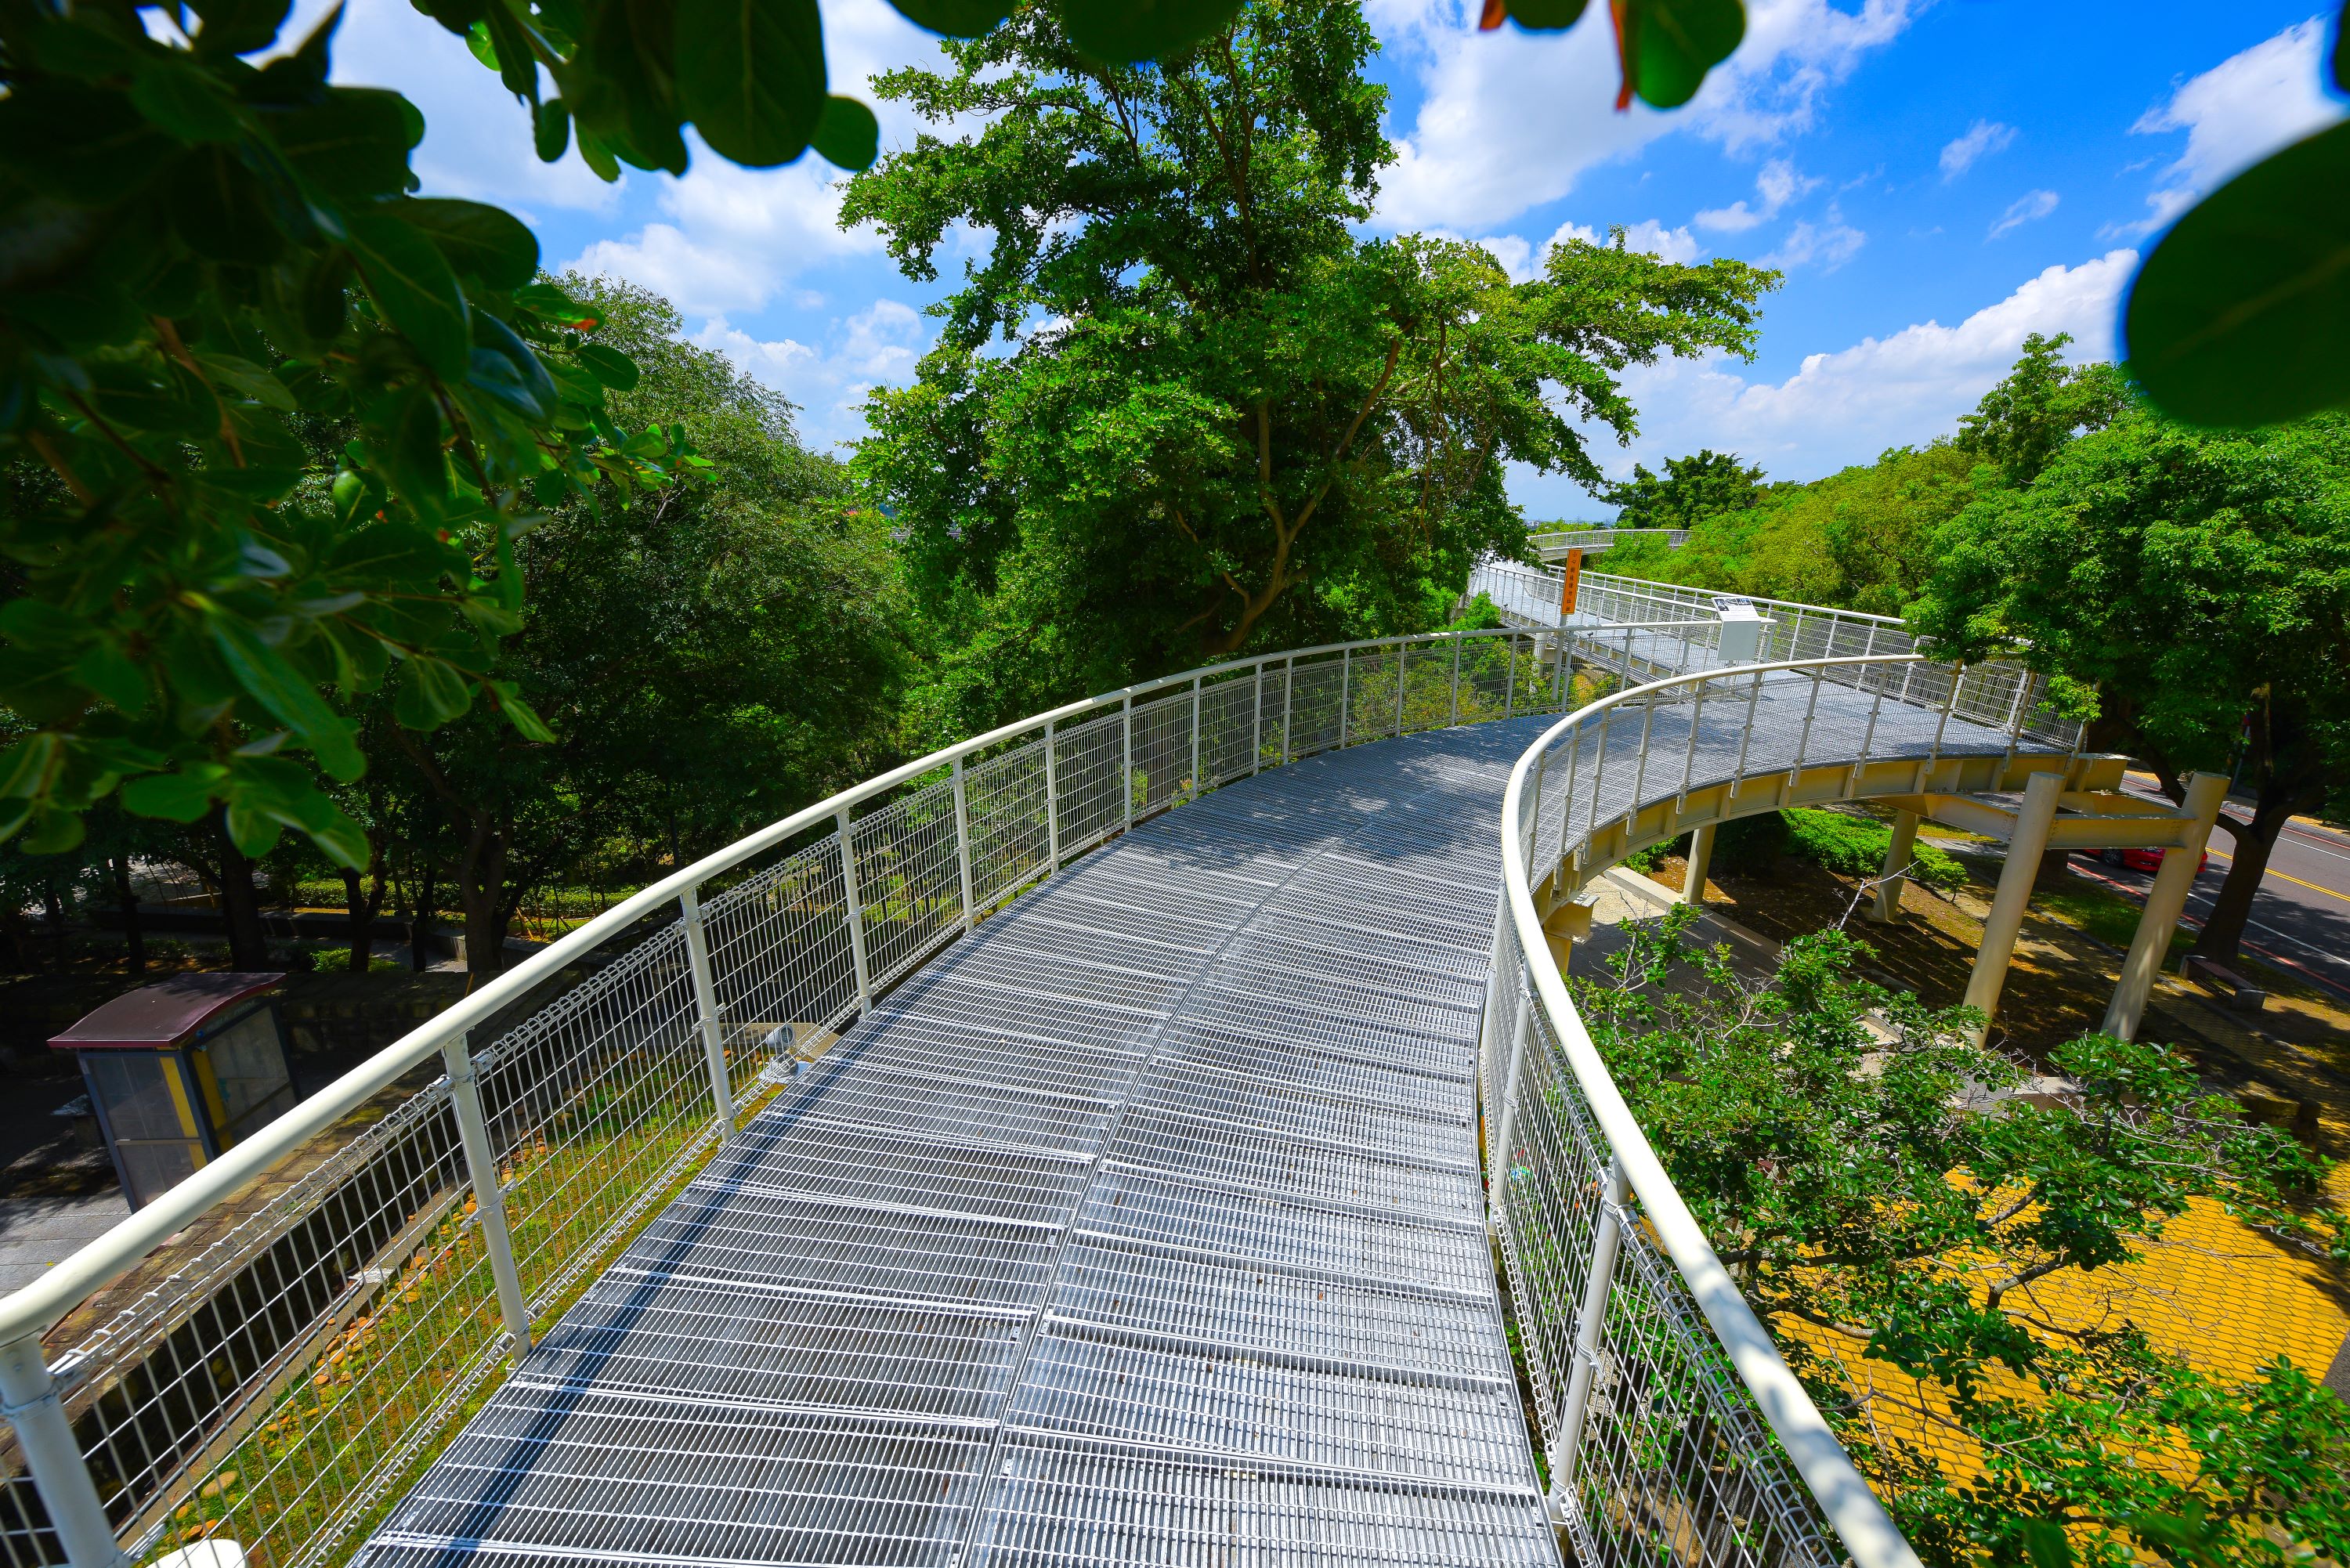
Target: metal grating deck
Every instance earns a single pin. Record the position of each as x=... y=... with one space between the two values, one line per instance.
x=1142 y=1227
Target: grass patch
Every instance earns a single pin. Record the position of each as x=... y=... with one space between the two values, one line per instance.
x=2107 y=916
x=1856 y=846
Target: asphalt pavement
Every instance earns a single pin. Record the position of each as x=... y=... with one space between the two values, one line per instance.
x=2300 y=921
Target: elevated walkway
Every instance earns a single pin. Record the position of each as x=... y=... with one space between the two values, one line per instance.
x=1131 y=1212
x=1143 y=1226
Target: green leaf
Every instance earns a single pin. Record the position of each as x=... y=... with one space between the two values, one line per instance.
x=1672 y=44
x=414 y=289
x=254 y=833
x=2242 y=315
x=53 y=831
x=81 y=144
x=106 y=670
x=432 y=692
x=27 y=767
x=492 y=245
x=609 y=366
x=1546 y=15
x=186 y=101
x=521 y=715
x=516 y=66
x=491 y=333
x=352 y=143
x=955 y=18
x=750 y=76
x=1125 y=32
x=237 y=26
x=550 y=128
x=182 y=797
x=846 y=134
x=457 y=15
x=220 y=209
x=2341 y=50
x=262 y=670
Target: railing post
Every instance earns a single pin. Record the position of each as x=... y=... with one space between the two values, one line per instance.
x=1640 y=770
x=1590 y=1325
x=1804 y=741
x=1126 y=756
x=855 y=911
x=55 y=1458
x=1256 y=721
x=1746 y=735
x=1288 y=694
x=1688 y=757
x=962 y=846
x=1346 y=691
x=1949 y=705
x=1403 y=683
x=705 y=1003
x=1456 y=680
x=1196 y=680
x=1052 y=801
x=1510 y=686
x=1565 y=669
x=489 y=1195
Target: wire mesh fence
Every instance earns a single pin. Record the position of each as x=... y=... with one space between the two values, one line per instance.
x=1670 y=1422
x=355 y=1279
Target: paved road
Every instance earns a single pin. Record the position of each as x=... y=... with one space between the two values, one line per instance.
x=2300 y=921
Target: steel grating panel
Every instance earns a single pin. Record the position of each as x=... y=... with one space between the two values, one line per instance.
x=1150 y=1214
x=1142 y=1226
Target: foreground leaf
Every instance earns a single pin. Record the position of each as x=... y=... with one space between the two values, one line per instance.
x=2242 y=316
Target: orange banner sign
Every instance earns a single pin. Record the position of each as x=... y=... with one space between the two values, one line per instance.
x=1568 y=583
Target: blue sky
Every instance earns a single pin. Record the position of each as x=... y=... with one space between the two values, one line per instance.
x=1936 y=179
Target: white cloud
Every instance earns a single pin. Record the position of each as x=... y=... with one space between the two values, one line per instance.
x=1846 y=406
x=477 y=140
x=736 y=236
x=1831 y=242
x=1509 y=120
x=1523 y=259
x=879 y=346
x=1778 y=184
x=732 y=238
x=2027 y=208
x=2234 y=114
x=1983 y=139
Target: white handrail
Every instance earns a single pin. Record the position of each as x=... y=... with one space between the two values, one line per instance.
x=1844 y=1497
x=40 y=1305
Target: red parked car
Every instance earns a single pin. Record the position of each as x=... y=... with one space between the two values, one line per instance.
x=2142 y=860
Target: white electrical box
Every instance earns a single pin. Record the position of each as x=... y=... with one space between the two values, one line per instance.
x=1742 y=630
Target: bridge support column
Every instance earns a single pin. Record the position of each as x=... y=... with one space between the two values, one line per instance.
x=2164 y=901
x=1897 y=855
x=2007 y=905
x=1700 y=859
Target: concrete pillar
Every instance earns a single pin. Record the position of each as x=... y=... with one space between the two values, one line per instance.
x=2164 y=903
x=2007 y=905
x=1897 y=855
x=1700 y=856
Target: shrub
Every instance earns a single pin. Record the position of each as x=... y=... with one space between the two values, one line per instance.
x=1855 y=846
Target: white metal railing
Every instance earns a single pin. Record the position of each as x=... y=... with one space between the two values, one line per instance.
x=346 y=1282
x=343 y=1284
x=1795 y=630
x=1590 y=539
x=1657 y=1390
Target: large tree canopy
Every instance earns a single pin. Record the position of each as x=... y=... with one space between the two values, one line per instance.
x=1177 y=406
x=2199 y=584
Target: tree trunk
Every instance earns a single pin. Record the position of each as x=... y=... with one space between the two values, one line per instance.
x=419 y=925
x=363 y=908
x=482 y=888
x=2224 y=929
x=134 y=939
x=248 y=943
x=56 y=909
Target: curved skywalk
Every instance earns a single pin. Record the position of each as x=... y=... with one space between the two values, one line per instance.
x=1142 y=1226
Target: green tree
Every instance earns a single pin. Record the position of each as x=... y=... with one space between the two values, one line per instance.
x=1860 y=539
x=1691 y=489
x=1221 y=419
x=1883 y=1188
x=708 y=659
x=2042 y=404
x=2197 y=586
